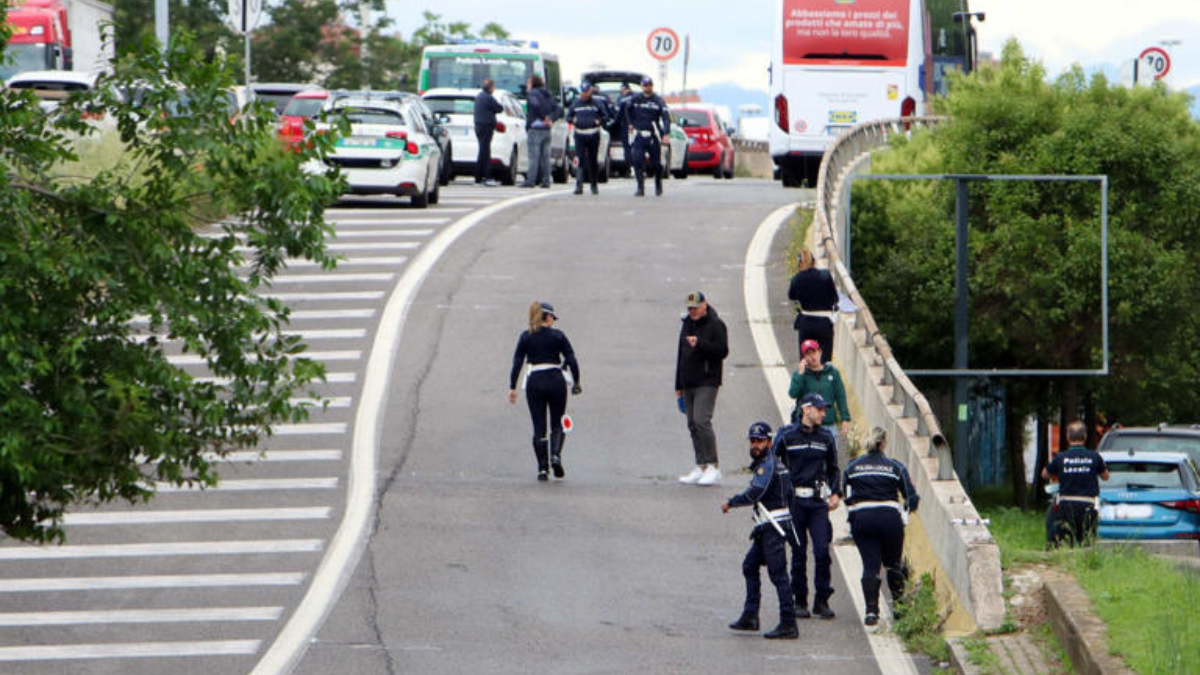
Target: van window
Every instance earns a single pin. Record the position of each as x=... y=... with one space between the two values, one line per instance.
x=553 y=76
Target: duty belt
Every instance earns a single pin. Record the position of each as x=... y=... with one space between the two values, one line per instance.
x=645 y=133
x=874 y=505
x=537 y=368
x=806 y=492
x=830 y=314
x=1081 y=499
x=587 y=132
x=762 y=516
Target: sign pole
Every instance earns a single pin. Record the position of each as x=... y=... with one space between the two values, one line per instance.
x=162 y=18
x=687 y=48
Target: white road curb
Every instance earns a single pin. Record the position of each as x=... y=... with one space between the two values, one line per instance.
x=889 y=651
x=348 y=543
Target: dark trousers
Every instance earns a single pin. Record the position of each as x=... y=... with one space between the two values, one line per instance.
x=483 y=161
x=643 y=145
x=699 y=403
x=1075 y=522
x=879 y=536
x=810 y=517
x=815 y=328
x=546 y=392
x=767 y=547
x=587 y=147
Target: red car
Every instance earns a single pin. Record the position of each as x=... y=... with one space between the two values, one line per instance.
x=710 y=149
x=305 y=105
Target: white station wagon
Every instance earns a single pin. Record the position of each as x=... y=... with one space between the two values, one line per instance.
x=388 y=151
x=510 y=154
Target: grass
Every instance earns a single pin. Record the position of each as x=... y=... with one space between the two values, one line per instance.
x=1150 y=607
x=919 y=625
x=979 y=653
x=799 y=224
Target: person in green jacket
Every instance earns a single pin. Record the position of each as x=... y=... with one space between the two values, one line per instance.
x=814 y=377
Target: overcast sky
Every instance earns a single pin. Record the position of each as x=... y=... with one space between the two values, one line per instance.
x=730 y=40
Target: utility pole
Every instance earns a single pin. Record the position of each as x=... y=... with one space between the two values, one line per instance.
x=687 y=49
x=364 y=19
x=162 y=16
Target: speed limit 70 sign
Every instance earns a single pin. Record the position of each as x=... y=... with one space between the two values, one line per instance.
x=663 y=44
x=1156 y=61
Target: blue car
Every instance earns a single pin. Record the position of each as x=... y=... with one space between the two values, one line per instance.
x=1150 y=495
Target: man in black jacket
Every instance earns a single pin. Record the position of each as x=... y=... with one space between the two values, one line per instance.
x=703 y=346
x=486 y=108
x=538 y=122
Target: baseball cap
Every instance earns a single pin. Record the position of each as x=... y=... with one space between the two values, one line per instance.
x=813 y=399
x=808 y=345
x=647 y=80
x=585 y=86
x=548 y=308
x=759 y=430
x=695 y=298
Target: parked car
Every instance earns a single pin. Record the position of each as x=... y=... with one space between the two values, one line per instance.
x=52 y=86
x=388 y=151
x=306 y=105
x=279 y=94
x=456 y=109
x=710 y=146
x=433 y=122
x=1150 y=495
x=1162 y=438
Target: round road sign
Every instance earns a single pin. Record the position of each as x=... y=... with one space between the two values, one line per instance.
x=1156 y=60
x=663 y=44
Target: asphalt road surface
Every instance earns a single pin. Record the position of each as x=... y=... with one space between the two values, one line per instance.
x=472 y=565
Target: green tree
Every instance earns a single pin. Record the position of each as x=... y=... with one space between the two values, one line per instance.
x=1035 y=249
x=204 y=19
x=104 y=275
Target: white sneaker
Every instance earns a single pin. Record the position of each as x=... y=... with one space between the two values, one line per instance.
x=692 y=477
x=711 y=475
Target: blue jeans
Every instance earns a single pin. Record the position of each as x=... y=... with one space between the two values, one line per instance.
x=539 y=156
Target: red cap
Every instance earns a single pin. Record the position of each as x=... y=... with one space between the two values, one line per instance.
x=808 y=345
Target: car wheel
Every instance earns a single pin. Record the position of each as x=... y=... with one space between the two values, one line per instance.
x=510 y=176
x=606 y=170
x=447 y=173
x=559 y=173
x=437 y=190
x=421 y=201
x=667 y=162
x=719 y=170
x=729 y=171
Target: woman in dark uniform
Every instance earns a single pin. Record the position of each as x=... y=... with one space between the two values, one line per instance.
x=815 y=298
x=879 y=496
x=549 y=353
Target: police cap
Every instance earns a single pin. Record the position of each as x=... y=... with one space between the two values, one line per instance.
x=815 y=400
x=759 y=431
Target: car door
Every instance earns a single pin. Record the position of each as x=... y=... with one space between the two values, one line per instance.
x=514 y=113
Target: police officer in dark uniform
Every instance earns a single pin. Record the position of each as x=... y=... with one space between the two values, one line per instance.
x=650 y=119
x=486 y=108
x=620 y=125
x=815 y=299
x=879 y=495
x=810 y=451
x=549 y=352
x=1079 y=472
x=769 y=495
x=588 y=114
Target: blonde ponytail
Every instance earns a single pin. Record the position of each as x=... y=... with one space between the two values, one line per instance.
x=536 y=316
x=805 y=260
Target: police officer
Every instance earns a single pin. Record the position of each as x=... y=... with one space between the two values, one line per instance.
x=549 y=352
x=486 y=108
x=810 y=451
x=769 y=495
x=588 y=114
x=1079 y=472
x=620 y=125
x=879 y=495
x=650 y=119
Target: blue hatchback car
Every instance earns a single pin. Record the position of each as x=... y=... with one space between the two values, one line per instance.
x=1150 y=495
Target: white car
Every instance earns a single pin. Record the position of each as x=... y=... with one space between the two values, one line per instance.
x=52 y=86
x=388 y=151
x=510 y=154
x=673 y=153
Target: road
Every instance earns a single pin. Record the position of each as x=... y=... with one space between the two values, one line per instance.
x=470 y=565
x=473 y=566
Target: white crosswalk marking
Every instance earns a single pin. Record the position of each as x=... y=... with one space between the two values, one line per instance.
x=41 y=585
x=329 y=333
x=309 y=429
x=331 y=277
x=279 y=456
x=375 y=246
x=311 y=314
x=319 y=297
x=104 y=617
x=352 y=261
x=344 y=355
x=130 y=650
x=259 y=484
x=353 y=234
x=194 y=516
x=161 y=549
x=336 y=377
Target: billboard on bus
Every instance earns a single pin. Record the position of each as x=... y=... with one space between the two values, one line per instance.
x=846 y=32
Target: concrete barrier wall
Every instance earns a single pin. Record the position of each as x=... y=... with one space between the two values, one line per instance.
x=966 y=553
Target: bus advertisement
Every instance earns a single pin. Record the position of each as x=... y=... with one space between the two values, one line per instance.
x=838 y=63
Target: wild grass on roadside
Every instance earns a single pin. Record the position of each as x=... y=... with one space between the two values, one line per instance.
x=920 y=625
x=799 y=225
x=1021 y=534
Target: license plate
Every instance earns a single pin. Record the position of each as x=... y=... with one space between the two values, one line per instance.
x=354 y=142
x=1126 y=512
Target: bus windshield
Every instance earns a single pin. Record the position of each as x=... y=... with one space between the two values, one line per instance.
x=467 y=71
x=868 y=32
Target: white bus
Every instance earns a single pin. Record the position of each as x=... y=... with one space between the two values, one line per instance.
x=509 y=63
x=836 y=63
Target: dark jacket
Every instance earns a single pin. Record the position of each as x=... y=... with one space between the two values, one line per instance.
x=770 y=485
x=547 y=346
x=814 y=290
x=486 y=107
x=1078 y=470
x=811 y=456
x=541 y=105
x=646 y=113
x=591 y=114
x=874 y=477
x=700 y=366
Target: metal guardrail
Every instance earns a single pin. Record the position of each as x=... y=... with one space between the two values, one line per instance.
x=965 y=551
x=847 y=150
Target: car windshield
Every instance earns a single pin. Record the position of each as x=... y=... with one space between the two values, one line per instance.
x=451 y=106
x=304 y=107
x=692 y=118
x=372 y=116
x=1143 y=475
x=1189 y=445
x=509 y=71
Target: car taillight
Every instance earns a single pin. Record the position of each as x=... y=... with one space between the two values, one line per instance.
x=1189 y=505
x=781 y=112
x=402 y=135
x=908 y=107
x=501 y=127
x=412 y=148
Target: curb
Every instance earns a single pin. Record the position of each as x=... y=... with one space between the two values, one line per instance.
x=1079 y=630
